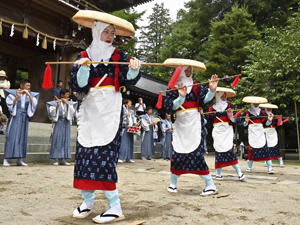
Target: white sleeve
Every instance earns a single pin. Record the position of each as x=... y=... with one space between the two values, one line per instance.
x=163 y=127
x=32 y=107
x=145 y=125
x=9 y=102
x=53 y=113
x=70 y=113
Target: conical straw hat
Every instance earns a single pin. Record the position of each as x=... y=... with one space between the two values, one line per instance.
x=229 y=91
x=2 y=73
x=254 y=99
x=174 y=62
x=87 y=17
x=268 y=106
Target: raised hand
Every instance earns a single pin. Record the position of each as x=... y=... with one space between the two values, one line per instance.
x=182 y=90
x=270 y=117
x=247 y=118
x=83 y=62
x=134 y=64
x=229 y=113
x=19 y=92
x=213 y=82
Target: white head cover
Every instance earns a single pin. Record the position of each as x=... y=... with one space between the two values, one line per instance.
x=220 y=104
x=99 y=50
x=186 y=81
x=268 y=112
x=254 y=110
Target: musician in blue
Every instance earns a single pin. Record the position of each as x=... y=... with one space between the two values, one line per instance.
x=61 y=112
x=22 y=105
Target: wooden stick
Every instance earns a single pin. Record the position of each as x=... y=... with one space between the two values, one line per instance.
x=114 y=63
x=234 y=110
x=205 y=82
x=262 y=117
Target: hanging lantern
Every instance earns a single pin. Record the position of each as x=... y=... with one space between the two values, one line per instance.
x=44 y=44
x=0 y=27
x=25 y=32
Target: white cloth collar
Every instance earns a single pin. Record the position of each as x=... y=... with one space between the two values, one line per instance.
x=254 y=110
x=220 y=104
x=186 y=81
x=99 y=50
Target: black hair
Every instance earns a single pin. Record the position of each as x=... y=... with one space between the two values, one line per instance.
x=24 y=81
x=63 y=91
x=126 y=101
x=148 y=108
x=59 y=81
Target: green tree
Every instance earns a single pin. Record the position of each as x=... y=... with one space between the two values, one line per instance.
x=272 y=67
x=153 y=35
x=125 y=43
x=225 y=48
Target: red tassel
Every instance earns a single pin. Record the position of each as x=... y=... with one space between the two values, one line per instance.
x=47 y=80
x=175 y=77
x=236 y=81
x=287 y=119
x=159 y=101
x=279 y=121
x=237 y=114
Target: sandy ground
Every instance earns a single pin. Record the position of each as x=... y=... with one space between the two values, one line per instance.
x=43 y=194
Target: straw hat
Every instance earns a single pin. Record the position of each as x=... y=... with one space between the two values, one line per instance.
x=174 y=62
x=229 y=92
x=254 y=99
x=2 y=73
x=87 y=17
x=268 y=106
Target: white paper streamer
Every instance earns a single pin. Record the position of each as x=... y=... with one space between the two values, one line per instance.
x=38 y=39
x=12 y=30
x=54 y=44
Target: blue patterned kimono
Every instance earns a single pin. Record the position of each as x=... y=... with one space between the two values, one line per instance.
x=258 y=154
x=61 y=135
x=167 y=139
x=227 y=158
x=192 y=162
x=274 y=151
x=95 y=167
x=126 y=149
x=17 y=128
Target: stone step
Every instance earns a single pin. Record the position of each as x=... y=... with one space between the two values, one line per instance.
x=32 y=148
x=43 y=157
x=291 y=156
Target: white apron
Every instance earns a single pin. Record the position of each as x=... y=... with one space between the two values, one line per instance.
x=271 y=136
x=187 y=131
x=223 y=137
x=256 y=135
x=99 y=117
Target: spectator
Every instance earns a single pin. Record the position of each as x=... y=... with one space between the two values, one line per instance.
x=140 y=107
x=126 y=149
x=56 y=91
x=167 y=130
x=147 y=135
x=4 y=84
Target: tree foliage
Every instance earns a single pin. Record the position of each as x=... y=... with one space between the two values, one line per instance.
x=273 y=66
x=128 y=44
x=225 y=50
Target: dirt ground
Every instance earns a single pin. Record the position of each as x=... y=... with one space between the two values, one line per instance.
x=43 y=194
